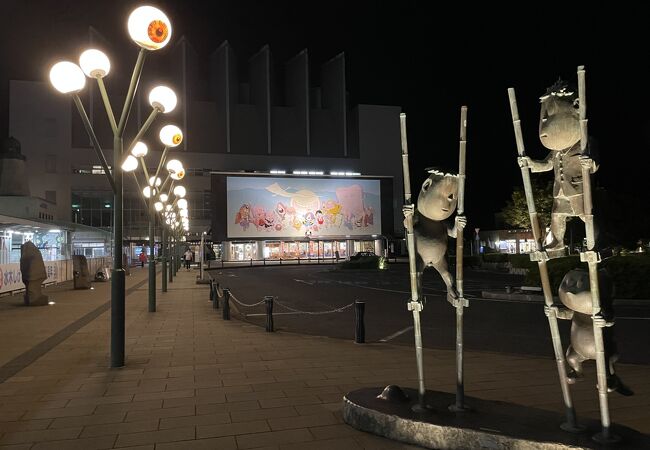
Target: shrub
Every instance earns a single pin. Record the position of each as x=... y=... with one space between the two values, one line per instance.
x=472 y=261
x=362 y=262
x=522 y=261
x=629 y=273
x=495 y=257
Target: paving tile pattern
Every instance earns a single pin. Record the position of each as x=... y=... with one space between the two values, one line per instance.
x=194 y=381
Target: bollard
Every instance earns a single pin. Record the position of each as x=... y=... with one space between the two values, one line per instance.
x=226 y=304
x=268 y=300
x=359 y=329
x=211 y=292
x=215 y=304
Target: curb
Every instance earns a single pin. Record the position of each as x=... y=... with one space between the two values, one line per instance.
x=540 y=298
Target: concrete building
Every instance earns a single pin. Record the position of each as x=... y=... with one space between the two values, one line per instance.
x=253 y=117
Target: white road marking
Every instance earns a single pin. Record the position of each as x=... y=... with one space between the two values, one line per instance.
x=394 y=335
x=303 y=281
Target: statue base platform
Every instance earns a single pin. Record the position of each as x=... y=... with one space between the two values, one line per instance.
x=489 y=424
x=41 y=300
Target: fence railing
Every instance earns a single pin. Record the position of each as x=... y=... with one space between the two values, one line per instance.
x=270 y=301
x=57 y=271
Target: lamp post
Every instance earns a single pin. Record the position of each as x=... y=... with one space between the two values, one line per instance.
x=175 y=216
x=150 y=29
x=171 y=136
x=169 y=199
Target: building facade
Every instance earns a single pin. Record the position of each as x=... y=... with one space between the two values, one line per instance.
x=254 y=117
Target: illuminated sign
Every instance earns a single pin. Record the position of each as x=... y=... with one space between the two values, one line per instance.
x=269 y=207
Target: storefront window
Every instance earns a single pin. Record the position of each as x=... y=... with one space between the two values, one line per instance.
x=290 y=250
x=272 y=250
x=217 y=251
x=242 y=252
x=342 y=249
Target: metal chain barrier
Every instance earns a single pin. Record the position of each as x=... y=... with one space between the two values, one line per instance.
x=232 y=296
x=312 y=313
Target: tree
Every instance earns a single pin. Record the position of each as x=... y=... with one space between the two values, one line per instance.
x=515 y=213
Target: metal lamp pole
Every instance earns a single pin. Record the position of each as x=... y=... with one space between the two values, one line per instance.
x=151 y=30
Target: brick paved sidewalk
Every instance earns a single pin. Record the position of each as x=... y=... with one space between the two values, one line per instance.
x=194 y=381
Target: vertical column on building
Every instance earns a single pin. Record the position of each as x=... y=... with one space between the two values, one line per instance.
x=333 y=98
x=223 y=91
x=297 y=93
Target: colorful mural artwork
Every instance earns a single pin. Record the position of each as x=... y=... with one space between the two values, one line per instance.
x=302 y=207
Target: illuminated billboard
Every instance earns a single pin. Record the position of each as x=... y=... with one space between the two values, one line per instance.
x=265 y=207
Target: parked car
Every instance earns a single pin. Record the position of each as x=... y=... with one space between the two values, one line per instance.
x=359 y=255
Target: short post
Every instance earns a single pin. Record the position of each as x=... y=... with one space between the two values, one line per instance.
x=215 y=302
x=268 y=301
x=359 y=327
x=211 y=291
x=226 y=304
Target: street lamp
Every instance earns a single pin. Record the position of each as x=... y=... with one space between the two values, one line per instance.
x=151 y=29
x=169 y=195
x=163 y=98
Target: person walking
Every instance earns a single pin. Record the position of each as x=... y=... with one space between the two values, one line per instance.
x=187 y=256
x=142 y=258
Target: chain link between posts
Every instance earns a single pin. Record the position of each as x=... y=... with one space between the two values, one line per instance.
x=314 y=313
x=232 y=296
x=289 y=308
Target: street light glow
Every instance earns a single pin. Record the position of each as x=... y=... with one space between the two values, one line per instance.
x=175 y=169
x=146 y=191
x=171 y=135
x=130 y=164
x=182 y=203
x=94 y=63
x=67 y=77
x=155 y=182
x=139 y=150
x=164 y=198
x=180 y=191
x=149 y=27
x=158 y=206
x=163 y=98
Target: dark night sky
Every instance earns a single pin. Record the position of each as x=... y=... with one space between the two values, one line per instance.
x=406 y=53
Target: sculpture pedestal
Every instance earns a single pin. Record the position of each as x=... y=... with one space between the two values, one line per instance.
x=33 y=294
x=490 y=424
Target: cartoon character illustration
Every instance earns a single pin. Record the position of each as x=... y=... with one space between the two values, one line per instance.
x=559 y=131
x=333 y=216
x=281 y=211
x=309 y=221
x=297 y=223
x=259 y=217
x=436 y=203
x=351 y=200
x=575 y=295
x=320 y=218
x=368 y=218
x=269 y=219
x=302 y=200
x=243 y=216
